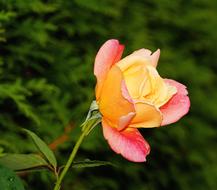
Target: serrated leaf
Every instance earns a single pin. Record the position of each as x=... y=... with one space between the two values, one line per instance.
x=18 y=162
x=9 y=180
x=43 y=148
x=90 y=163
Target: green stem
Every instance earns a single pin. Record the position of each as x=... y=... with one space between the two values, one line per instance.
x=71 y=158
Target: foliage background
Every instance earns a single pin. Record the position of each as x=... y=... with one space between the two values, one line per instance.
x=47 y=51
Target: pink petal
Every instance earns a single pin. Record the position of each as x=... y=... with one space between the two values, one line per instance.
x=108 y=54
x=129 y=142
x=119 y=53
x=177 y=106
x=181 y=89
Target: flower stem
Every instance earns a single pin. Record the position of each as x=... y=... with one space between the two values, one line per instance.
x=71 y=158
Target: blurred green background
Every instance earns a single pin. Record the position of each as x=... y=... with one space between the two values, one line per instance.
x=47 y=50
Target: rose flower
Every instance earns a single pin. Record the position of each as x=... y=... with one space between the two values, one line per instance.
x=131 y=94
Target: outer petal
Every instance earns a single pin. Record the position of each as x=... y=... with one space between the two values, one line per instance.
x=181 y=89
x=129 y=142
x=177 y=106
x=114 y=101
x=108 y=54
x=147 y=116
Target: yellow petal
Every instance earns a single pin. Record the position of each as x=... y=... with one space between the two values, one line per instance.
x=160 y=91
x=131 y=60
x=147 y=116
x=135 y=76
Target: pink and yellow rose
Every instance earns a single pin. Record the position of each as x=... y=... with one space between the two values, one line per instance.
x=131 y=94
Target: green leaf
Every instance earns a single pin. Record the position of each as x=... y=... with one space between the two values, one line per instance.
x=43 y=148
x=9 y=180
x=90 y=163
x=20 y=162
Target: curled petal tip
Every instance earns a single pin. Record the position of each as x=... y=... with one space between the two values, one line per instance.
x=125 y=120
x=155 y=57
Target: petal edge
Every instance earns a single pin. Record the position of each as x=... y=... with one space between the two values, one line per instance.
x=177 y=106
x=129 y=142
x=114 y=101
x=109 y=53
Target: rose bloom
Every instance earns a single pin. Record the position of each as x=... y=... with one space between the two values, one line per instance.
x=131 y=94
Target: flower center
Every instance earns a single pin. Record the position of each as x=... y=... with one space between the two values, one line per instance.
x=145 y=84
